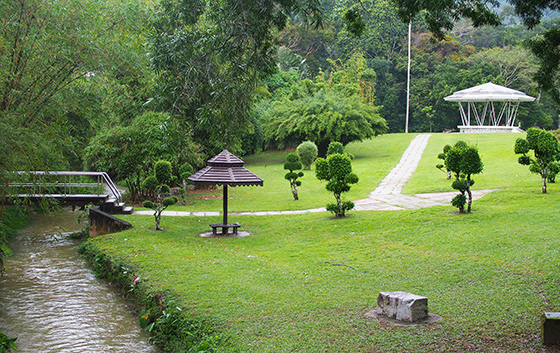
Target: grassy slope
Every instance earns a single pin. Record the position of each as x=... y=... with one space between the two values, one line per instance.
x=373 y=160
x=490 y=274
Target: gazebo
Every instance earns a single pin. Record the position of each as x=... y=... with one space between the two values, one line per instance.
x=225 y=169
x=489 y=119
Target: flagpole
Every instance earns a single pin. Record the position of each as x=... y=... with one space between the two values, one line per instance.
x=408 y=77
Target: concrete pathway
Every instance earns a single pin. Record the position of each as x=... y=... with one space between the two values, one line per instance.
x=387 y=196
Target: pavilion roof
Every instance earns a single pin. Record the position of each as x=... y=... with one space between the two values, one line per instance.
x=489 y=92
x=225 y=169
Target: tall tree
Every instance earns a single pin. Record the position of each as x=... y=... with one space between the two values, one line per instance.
x=46 y=47
x=441 y=16
x=212 y=56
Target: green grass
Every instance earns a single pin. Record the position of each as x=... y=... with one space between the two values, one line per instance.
x=501 y=170
x=373 y=160
x=490 y=274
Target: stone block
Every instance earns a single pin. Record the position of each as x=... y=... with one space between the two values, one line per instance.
x=403 y=306
x=551 y=328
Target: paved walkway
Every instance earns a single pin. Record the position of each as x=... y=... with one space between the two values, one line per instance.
x=387 y=196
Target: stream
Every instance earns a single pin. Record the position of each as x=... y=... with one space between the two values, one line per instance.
x=52 y=302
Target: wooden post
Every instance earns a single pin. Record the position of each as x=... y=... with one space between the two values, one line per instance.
x=225 y=200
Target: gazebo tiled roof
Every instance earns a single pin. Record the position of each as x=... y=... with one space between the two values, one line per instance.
x=225 y=169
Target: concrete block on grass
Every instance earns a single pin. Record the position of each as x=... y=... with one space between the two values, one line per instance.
x=551 y=328
x=403 y=306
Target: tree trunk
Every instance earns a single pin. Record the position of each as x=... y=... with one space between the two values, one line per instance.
x=158 y=218
x=544 y=184
x=294 y=191
x=469 y=195
x=340 y=212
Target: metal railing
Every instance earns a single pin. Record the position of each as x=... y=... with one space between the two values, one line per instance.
x=40 y=182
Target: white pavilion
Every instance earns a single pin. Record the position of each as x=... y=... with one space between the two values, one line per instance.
x=487 y=118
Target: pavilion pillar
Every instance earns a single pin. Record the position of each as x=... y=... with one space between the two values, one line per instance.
x=225 y=201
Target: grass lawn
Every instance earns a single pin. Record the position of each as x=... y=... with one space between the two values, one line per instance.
x=373 y=160
x=490 y=274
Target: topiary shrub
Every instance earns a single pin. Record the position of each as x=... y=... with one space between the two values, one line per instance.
x=463 y=161
x=292 y=164
x=335 y=148
x=307 y=152
x=546 y=151
x=162 y=174
x=337 y=171
x=338 y=148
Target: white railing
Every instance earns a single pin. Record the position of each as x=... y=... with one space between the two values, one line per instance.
x=67 y=183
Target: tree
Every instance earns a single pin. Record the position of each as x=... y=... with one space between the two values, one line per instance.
x=47 y=49
x=441 y=16
x=212 y=56
x=324 y=117
x=292 y=164
x=381 y=33
x=307 y=152
x=336 y=170
x=547 y=50
x=463 y=161
x=162 y=174
x=546 y=150
x=126 y=152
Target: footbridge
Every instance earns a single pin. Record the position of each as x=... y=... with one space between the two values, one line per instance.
x=73 y=188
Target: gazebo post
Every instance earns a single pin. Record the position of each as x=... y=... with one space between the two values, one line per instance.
x=225 y=200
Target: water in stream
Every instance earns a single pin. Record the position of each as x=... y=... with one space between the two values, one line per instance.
x=52 y=301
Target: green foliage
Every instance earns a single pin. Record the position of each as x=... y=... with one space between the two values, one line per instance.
x=335 y=148
x=336 y=170
x=149 y=204
x=212 y=56
x=7 y=344
x=307 y=152
x=338 y=109
x=371 y=26
x=441 y=16
x=354 y=22
x=127 y=152
x=49 y=53
x=162 y=171
x=185 y=171
x=168 y=201
x=322 y=118
x=292 y=164
x=443 y=156
x=463 y=161
x=150 y=183
x=546 y=151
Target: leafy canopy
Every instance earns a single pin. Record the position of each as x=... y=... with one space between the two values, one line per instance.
x=211 y=56
x=338 y=109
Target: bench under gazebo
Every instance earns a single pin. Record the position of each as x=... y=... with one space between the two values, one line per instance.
x=225 y=169
x=488 y=118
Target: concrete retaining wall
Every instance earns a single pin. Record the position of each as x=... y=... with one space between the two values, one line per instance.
x=103 y=223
